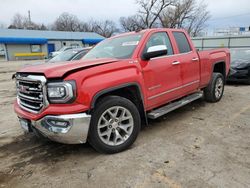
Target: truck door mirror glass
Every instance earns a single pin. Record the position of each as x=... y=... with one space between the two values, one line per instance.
x=155 y=51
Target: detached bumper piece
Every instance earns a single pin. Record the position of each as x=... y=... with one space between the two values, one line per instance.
x=67 y=129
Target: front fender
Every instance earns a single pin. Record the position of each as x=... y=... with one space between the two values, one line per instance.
x=92 y=81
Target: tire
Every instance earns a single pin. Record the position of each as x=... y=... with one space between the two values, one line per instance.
x=214 y=91
x=115 y=125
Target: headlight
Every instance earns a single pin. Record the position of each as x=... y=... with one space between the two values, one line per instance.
x=61 y=92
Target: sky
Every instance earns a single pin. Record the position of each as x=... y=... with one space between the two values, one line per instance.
x=224 y=13
x=229 y=13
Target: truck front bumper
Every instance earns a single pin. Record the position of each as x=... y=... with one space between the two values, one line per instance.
x=68 y=129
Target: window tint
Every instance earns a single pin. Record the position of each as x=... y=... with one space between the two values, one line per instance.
x=182 y=42
x=160 y=38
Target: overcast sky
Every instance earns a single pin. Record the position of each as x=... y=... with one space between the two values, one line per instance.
x=224 y=13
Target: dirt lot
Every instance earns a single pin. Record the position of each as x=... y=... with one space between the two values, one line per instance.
x=199 y=145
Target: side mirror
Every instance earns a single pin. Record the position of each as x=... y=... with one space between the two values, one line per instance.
x=155 y=51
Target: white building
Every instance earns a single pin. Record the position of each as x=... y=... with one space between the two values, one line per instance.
x=35 y=44
x=232 y=31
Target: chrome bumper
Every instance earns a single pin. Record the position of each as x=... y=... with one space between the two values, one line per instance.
x=68 y=129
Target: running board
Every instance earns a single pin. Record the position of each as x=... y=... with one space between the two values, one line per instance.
x=174 y=105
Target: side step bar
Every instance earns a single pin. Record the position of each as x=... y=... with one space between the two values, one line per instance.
x=174 y=105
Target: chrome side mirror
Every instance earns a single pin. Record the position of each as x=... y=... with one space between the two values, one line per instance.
x=155 y=51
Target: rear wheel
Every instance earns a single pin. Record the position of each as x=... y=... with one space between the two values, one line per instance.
x=214 y=91
x=115 y=125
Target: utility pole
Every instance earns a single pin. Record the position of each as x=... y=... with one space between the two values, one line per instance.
x=29 y=17
x=29 y=20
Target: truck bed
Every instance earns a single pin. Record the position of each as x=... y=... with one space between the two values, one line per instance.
x=207 y=60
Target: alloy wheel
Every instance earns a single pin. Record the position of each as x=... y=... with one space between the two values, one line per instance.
x=115 y=125
x=219 y=88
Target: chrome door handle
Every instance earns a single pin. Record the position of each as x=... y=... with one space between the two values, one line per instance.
x=195 y=59
x=176 y=63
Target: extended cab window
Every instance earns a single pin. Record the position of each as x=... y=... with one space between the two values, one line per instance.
x=182 y=42
x=160 y=38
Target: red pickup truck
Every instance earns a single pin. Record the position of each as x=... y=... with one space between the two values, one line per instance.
x=105 y=97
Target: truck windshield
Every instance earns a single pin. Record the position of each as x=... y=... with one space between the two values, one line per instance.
x=119 y=47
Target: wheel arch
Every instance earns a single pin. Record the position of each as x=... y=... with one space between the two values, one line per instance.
x=131 y=91
x=220 y=67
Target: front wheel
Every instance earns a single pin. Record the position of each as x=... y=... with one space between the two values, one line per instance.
x=214 y=91
x=115 y=125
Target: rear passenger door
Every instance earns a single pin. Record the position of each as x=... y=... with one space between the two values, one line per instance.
x=189 y=63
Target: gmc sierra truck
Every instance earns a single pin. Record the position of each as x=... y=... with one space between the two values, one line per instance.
x=105 y=97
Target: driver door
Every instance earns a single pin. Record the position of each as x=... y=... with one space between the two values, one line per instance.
x=161 y=74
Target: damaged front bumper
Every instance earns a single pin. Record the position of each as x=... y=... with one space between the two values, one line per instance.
x=68 y=129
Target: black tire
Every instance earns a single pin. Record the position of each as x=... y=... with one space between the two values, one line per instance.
x=106 y=103
x=210 y=91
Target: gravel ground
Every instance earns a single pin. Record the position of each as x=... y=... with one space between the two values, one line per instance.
x=199 y=145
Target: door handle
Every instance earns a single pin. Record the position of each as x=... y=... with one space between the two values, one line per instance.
x=195 y=59
x=176 y=63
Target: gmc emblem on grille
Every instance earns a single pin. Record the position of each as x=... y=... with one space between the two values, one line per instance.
x=24 y=89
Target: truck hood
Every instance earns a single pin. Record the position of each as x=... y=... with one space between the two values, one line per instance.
x=57 y=70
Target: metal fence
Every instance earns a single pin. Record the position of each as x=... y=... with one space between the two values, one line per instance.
x=204 y=43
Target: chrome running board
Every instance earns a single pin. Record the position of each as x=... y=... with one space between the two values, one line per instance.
x=174 y=105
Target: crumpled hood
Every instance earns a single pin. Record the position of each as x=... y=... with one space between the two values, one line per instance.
x=56 y=70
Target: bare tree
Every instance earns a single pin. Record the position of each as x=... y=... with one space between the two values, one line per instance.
x=66 y=22
x=69 y=22
x=105 y=28
x=85 y=26
x=198 y=22
x=132 y=23
x=147 y=16
x=175 y=16
x=187 y=14
x=23 y=22
x=18 y=22
x=43 y=27
x=150 y=11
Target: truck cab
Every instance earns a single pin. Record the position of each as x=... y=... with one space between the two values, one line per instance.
x=105 y=97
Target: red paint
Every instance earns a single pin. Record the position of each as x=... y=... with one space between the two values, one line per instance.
x=159 y=74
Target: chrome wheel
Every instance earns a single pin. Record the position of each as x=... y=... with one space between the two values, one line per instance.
x=219 y=88
x=115 y=125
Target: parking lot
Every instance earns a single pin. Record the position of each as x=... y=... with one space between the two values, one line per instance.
x=199 y=145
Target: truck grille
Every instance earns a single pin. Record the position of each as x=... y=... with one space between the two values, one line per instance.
x=31 y=93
